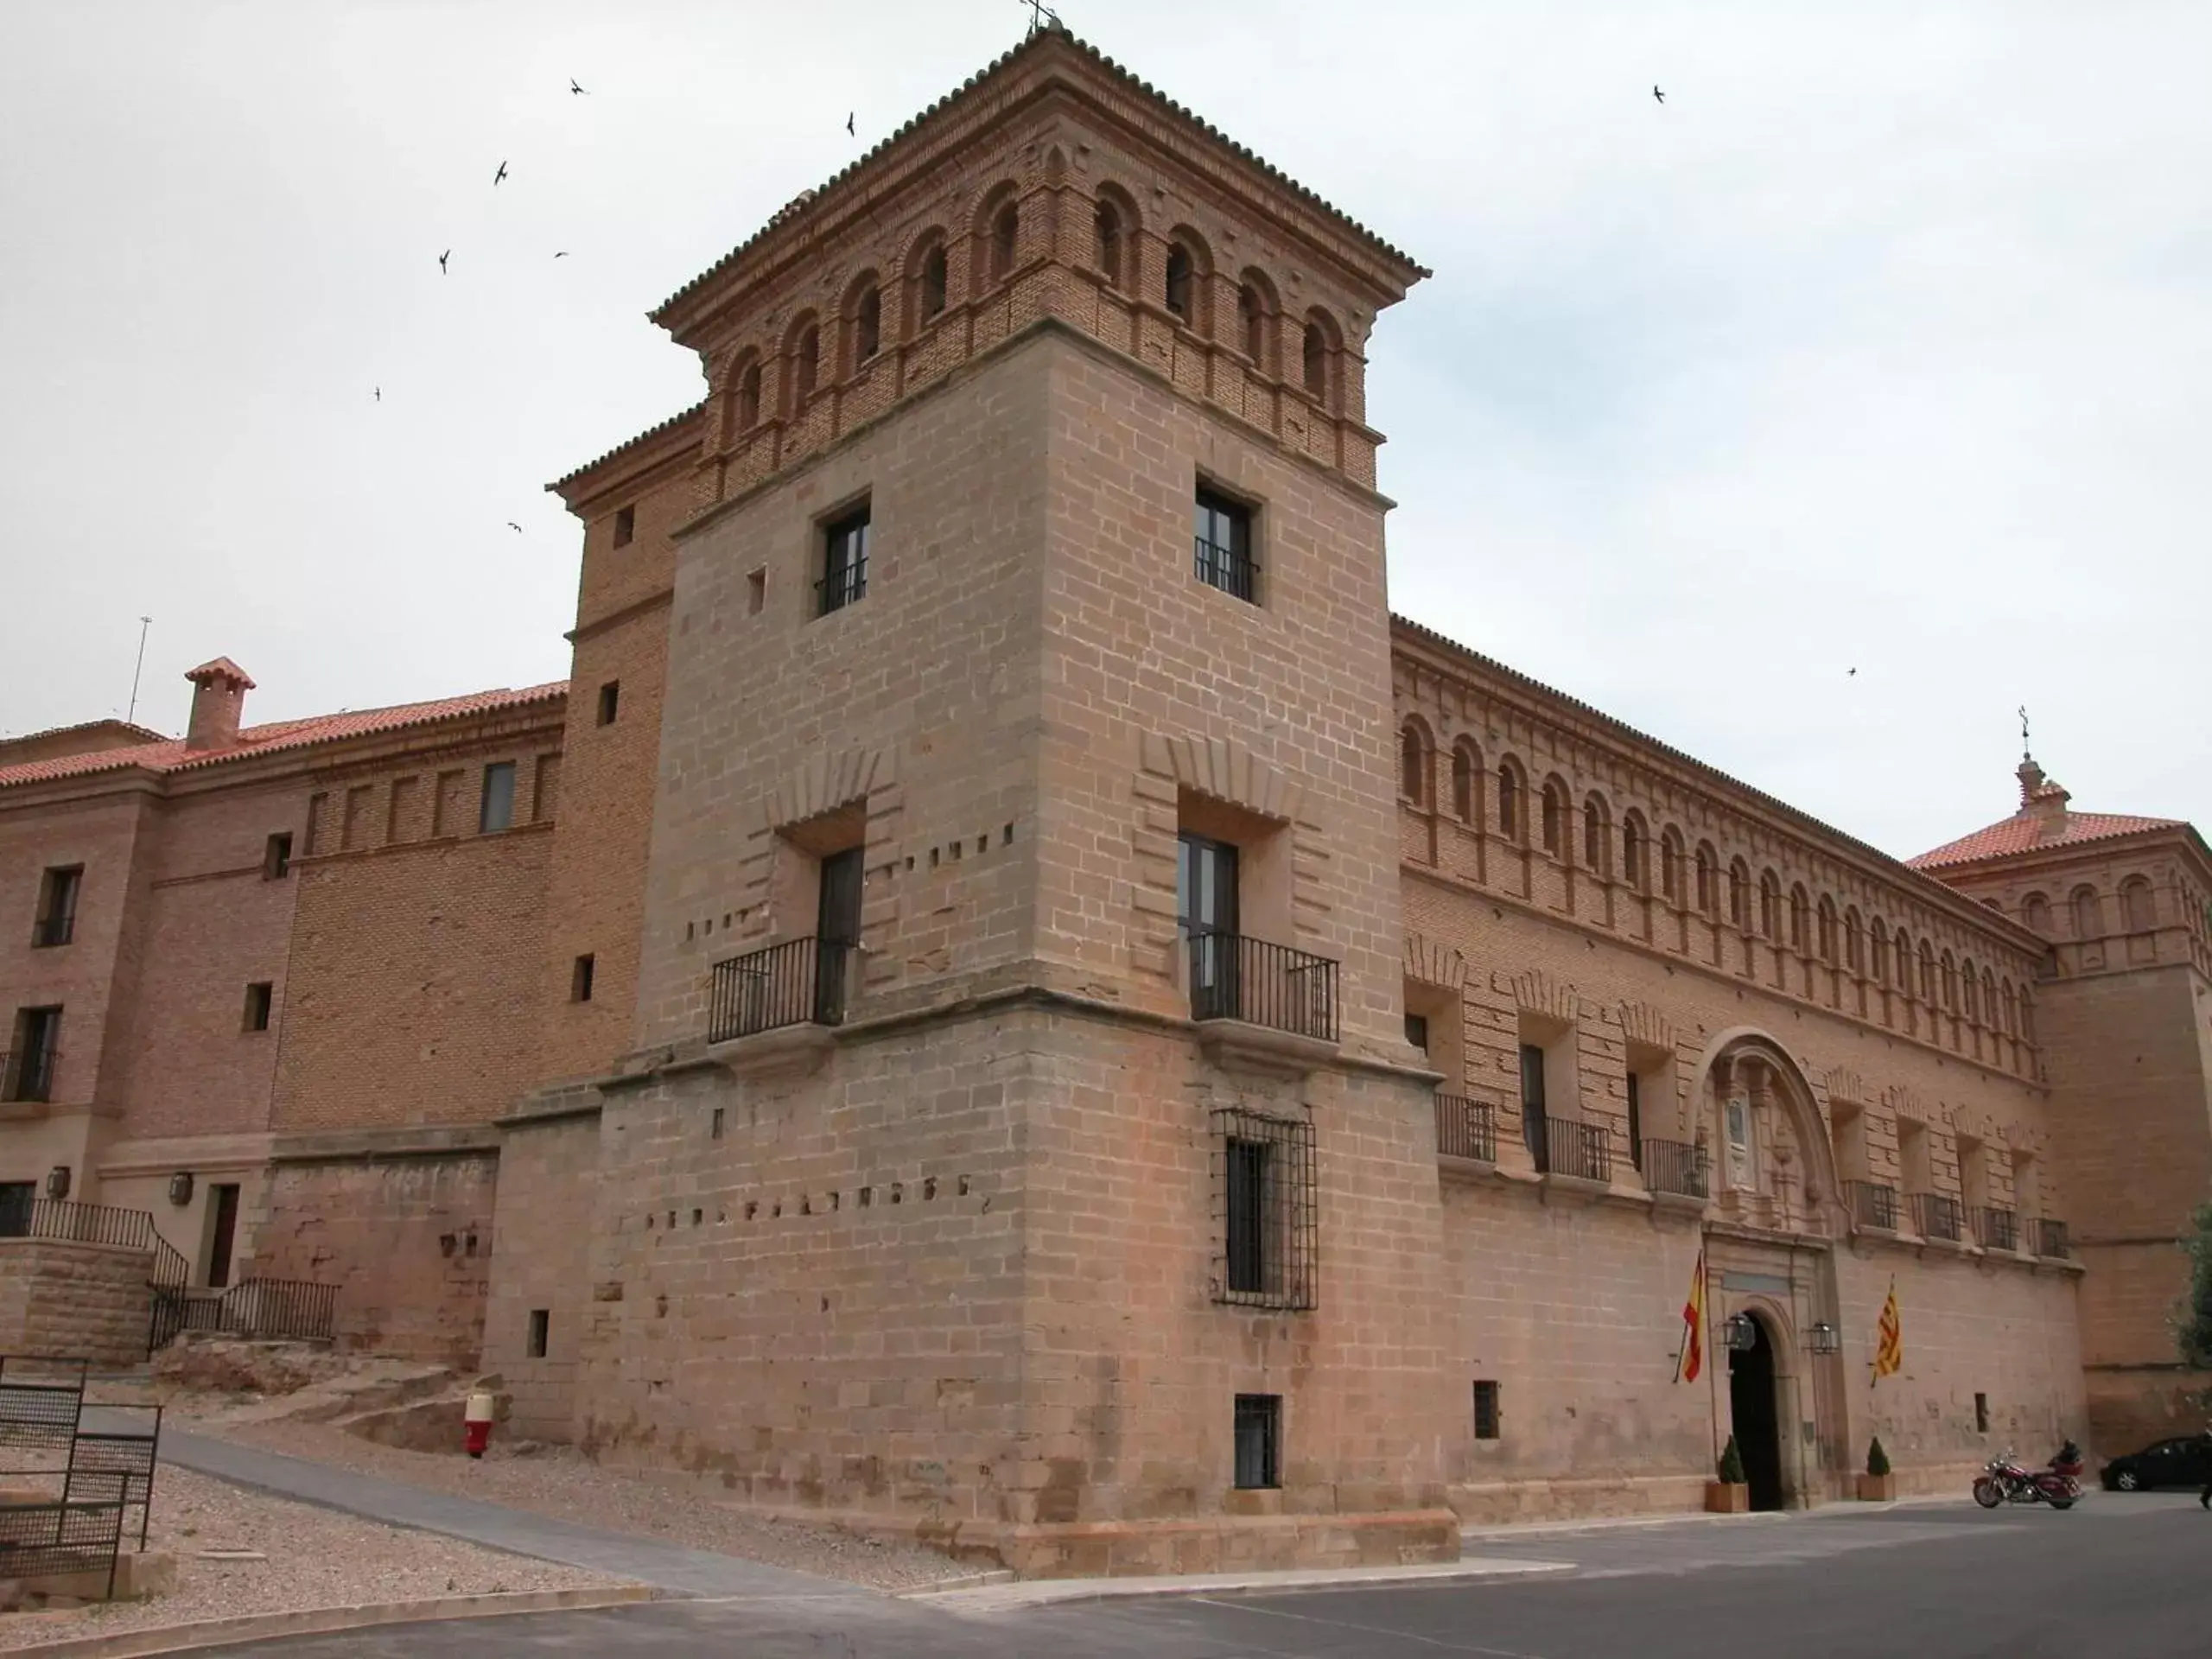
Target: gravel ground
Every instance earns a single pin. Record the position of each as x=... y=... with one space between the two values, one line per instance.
x=313 y=1559
x=558 y=1482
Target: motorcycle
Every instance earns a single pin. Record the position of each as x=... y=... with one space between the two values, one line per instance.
x=2005 y=1481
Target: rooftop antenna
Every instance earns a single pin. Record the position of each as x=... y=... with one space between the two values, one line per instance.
x=145 y=623
x=1040 y=15
x=2025 y=753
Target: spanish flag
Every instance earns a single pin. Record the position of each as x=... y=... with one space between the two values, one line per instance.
x=1691 y=1360
x=1888 y=1338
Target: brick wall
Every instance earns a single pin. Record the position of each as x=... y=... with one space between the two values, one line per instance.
x=407 y=1239
x=73 y=1300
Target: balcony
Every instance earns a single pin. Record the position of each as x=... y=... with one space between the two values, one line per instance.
x=1936 y=1215
x=1675 y=1168
x=798 y=983
x=29 y=1075
x=1466 y=1129
x=1872 y=1204
x=1577 y=1151
x=2051 y=1240
x=1995 y=1228
x=1261 y=983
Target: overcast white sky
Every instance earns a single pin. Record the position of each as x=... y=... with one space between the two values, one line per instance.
x=1884 y=344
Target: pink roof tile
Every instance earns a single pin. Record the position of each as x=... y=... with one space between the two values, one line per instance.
x=169 y=754
x=2027 y=831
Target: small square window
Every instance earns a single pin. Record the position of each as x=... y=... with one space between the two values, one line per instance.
x=626 y=525
x=276 y=858
x=1222 y=545
x=497 y=810
x=1486 y=1411
x=610 y=700
x=1982 y=1414
x=580 y=977
x=756 y=592
x=259 y=997
x=844 y=559
x=1259 y=1441
x=541 y=1321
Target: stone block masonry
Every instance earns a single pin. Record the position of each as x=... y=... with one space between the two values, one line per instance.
x=79 y=1300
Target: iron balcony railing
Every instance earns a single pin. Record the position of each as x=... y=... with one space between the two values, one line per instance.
x=1565 y=1146
x=1672 y=1167
x=81 y=1223
x=2051 y=1240
x=1872 y=1204
x=1234 y=573
x=1995 y=1228
x=1466 y=1129
x=1936 y=1215
x=841 y=586
x=28 y=1074
x=54 y=930
x=798 y=983
x=1263 y=984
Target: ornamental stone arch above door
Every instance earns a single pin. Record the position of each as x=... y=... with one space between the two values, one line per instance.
x=1759 y=1117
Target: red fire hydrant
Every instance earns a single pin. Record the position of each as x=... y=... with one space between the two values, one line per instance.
x=476 y=1420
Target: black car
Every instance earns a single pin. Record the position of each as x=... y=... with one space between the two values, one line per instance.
x=2185 y=1460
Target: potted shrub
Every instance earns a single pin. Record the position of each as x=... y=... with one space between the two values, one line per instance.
x=1877 y=1485
x=1731 y=1493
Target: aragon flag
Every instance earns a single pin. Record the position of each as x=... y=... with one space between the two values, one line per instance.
x=1691 y=1360
x=1888 y=1338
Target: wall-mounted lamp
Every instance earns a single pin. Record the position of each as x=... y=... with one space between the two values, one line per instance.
x=1740 y=1333
x=1825 y=1338
x=180 y=1187
x=57 y=1182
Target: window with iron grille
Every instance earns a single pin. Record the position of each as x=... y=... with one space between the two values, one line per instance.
x=1221 y=544
x=1264 y=1208
x=1259 y=1441
x=844 y=559
x=1486 y=1410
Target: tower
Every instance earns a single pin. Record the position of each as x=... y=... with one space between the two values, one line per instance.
x=1019 y=1138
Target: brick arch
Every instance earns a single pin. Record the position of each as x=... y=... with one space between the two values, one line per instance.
x=1431 y=962
x=1642 y=1023
x=1822 y=1192
x=1224 y=769
x=827 y=782
x=1538 y=992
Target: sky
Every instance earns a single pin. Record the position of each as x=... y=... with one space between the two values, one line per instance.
x=1884 y=343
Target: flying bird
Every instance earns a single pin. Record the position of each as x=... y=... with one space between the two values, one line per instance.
x=443 y=258
x=849 y=121
x=1852 y=675
x=1657 y=93
x=561 y=255
x=573 y=87
x=379 y=392
x=514 y=526
x=501 y=173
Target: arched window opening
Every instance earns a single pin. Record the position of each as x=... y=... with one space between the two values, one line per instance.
x=1596 y=843
x=1739 y=895
x=1878 y=939
x=1252 y=322
x=1670 y=866
x=1178 y=282
x=1855 y=941
x=2011 y=1008
x=2088 y=916
x=1106 y=243
x=1928 y=973
x=1800 y=908
x=1950 y=984
x=1824 y=938
x=1970 y=993
x=1709 y=873
x=1316 y=363
x=806 y=363
x=1634 y=856
x=748 y=397
x=1508 y=802
x=2137 y=905
x=1771 y=907
x=1413 y=762
x=1989 y=997
x=868 y=325
x=1463 y=783
x=1005 y=234
x=933 y=282
x=1555 y=820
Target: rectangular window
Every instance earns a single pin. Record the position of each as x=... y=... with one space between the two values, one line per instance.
x=580 y=979
x=259 y=997
x=1417 y=1031
x=756 y=593
x=56 y=922
x=497 y=810
x=277 y=856
x=1636 y=1119
x=1259 y=1441
x=626 y=525
x=1486 y=1411
x=1221 y=547
x=715 y=1125
x=1532 y=1104
x=16 y=1199
x=844 y=559
x=541 y=1321
x=1982 y=1414
x=32 y=1056
x=610 y=699
x=1264 y=1211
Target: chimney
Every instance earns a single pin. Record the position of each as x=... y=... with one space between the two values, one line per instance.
x=219 y=691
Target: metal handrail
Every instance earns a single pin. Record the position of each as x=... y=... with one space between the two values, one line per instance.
x=1466 y=1129
x=1261 y=983
x=1996 y=1229
x=80 y=1223
x=1569 y=1146
x=798 y=983
x=1873 y=1203
x=1675 y=1167
x=1937 y=1215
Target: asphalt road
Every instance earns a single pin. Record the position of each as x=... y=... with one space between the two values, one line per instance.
x=2120 y=1577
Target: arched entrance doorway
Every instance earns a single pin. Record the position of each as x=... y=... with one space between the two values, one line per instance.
x=1752 y=1411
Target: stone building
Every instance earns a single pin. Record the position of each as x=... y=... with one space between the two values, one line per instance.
x=1048 y=1017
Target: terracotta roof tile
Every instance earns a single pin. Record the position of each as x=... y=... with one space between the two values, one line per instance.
x=2029 y=832
x=558 y=485
x=169 y=754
